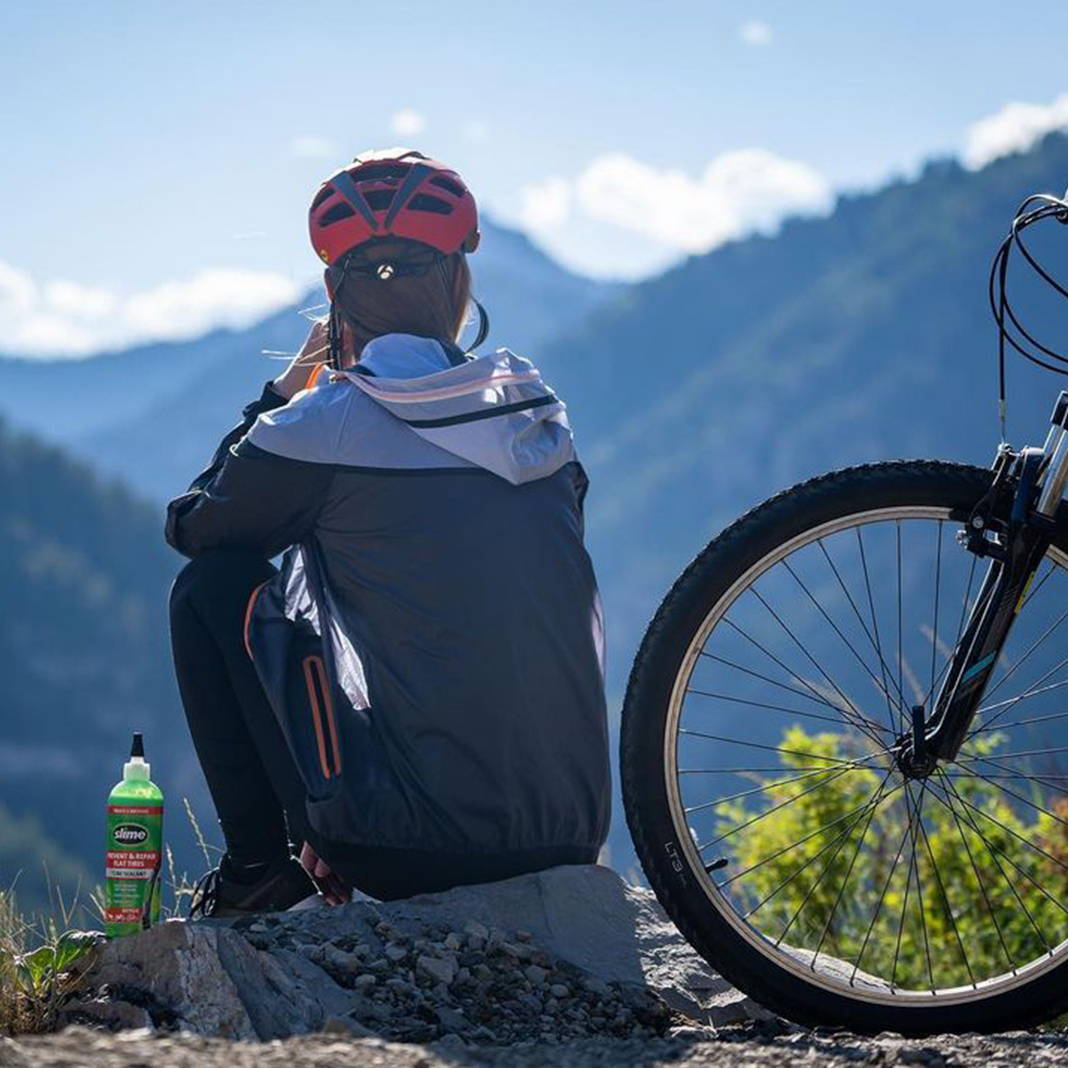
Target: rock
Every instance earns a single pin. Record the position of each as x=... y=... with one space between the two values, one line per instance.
x=440 y=969
x=345 y=1025
x=593 y=955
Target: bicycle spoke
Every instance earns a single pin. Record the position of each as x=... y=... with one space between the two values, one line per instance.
x=937 y=584
x=836 y=773
x=800 y=841
x=861 y=721
x=945 y=897
x=773 y=748
x=1020 y=797
x=861 y=810
x=875 y=795
x=755 y=790
x=834 y=626
x=1015 y=701
x=773 y=708
x=910 y=831
x=875 y=628
x=873 y=641
x=900 y=657
x=1023 y=659
x=845 y=879
x=919 y=881
x=997 y=823
x=1013 y=773
x=1025 y=753
x=815 y=695
x=994 y=850
x=1029 y=722
x=879 y=903
x=1009 y=959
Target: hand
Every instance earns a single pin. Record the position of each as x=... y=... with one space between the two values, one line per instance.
x=335 y=890
x=313 y=353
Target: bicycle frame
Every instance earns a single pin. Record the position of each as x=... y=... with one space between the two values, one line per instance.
x=1012 y=525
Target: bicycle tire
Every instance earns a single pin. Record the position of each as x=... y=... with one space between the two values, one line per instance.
x=645 y=791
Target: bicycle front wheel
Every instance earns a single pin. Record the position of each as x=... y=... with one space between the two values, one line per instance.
x=762 y=786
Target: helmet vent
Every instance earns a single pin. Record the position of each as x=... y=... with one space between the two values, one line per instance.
x=336 y=214
x=324 y=194
x=381 y=172
x=425 y=202
x=448 y=184
x=379 y=199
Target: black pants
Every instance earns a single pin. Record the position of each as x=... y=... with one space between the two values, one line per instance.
x=258 y=793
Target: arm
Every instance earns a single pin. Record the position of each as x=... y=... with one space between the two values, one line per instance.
x=255 y=500
x=247 y=496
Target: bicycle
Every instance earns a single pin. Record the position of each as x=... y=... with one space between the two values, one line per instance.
x=841 y=739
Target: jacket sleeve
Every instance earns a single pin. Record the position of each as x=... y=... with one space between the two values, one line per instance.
x=247 y=497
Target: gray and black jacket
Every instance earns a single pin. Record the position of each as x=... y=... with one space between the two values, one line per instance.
x=430 y=508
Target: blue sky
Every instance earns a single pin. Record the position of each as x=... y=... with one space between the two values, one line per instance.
x=160 y=157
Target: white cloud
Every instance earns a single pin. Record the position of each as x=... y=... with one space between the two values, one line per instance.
x=62 y=317
x=312 y=147
x=214 y=297
x=545 y=205
x=1014 y=128
x=755 y=33
x=78 y=301
x=737 y=192
x=407 y=123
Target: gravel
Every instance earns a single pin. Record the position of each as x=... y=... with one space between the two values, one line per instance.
x=750 y=1046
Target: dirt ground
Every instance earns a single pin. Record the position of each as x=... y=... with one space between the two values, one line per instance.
x=751 y=1046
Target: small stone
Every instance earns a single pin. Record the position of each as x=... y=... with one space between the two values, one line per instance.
x=474 y=929
x=516 y=949
x=523 y=936
x=440 y=969
x=558 y=990
x=344 y=1025
x=483 y=973
x=259 y=925
x=463 y=975
x=453 y=941
x=396 y=953
x=535 y=974
x=365 y=981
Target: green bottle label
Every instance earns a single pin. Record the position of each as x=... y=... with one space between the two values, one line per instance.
x=134 y=857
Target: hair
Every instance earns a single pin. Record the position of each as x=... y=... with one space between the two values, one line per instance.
x=430 y=304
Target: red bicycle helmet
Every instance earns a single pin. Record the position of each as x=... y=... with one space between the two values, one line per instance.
x=397 y=192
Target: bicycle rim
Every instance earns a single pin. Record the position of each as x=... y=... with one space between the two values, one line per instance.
x=823 y=854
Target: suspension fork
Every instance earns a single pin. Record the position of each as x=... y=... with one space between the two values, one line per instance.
x=1021 y=539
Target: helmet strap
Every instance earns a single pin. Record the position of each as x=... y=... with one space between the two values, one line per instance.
x=483 y=326
x=334 y=335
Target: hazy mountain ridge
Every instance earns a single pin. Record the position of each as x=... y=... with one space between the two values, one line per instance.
x=861 y=336
x=173 y=401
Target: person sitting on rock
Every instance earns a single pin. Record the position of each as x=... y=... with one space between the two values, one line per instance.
x=414 y=699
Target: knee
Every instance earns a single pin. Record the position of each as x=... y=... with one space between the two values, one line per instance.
x=213 y=574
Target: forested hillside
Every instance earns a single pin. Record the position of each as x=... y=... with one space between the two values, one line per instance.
x=84 y=575
x=861 y=336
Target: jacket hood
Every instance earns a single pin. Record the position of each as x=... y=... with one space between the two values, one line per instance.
x=493 y=411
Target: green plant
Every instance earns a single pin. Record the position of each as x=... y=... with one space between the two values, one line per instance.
x=39 y=968
x=933 y=886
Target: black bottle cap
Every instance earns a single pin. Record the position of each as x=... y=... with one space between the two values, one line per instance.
x=138 y=747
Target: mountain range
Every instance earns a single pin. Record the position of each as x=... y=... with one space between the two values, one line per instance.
x=859 y=336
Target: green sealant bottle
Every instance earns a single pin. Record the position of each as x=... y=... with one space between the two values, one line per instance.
x=134 y=848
